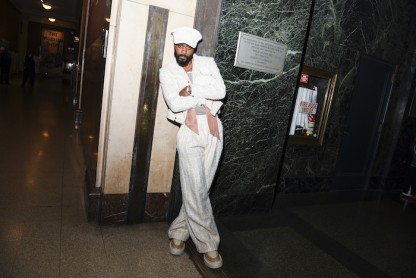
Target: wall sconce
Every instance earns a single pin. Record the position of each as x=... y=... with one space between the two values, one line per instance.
x=51 y=19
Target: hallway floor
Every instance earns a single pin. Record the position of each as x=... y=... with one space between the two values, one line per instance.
x=44 y=231
x=43 y=226
x=346 y=238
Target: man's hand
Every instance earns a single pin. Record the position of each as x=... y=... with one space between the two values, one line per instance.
x=185 y=92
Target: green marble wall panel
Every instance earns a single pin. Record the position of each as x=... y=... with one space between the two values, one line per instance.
x=258 y=105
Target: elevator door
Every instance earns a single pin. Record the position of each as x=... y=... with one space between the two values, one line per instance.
x=368 y=107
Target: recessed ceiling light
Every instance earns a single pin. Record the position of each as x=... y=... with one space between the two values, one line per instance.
x=45 y=6
x=51 y=19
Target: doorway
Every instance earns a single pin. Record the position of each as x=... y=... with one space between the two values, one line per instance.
x=364 y=123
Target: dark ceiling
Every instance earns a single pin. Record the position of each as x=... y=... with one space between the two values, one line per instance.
x=66 y=12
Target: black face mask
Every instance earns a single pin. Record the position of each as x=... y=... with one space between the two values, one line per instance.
x=183 y=60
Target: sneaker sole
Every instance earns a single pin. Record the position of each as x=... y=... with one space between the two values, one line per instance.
x=213 y=265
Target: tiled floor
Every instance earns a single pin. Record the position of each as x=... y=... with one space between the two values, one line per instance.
x=43 y=227
x=345 y=238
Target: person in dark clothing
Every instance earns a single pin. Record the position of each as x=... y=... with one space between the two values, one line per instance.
x=29 y=69
x=5 y=63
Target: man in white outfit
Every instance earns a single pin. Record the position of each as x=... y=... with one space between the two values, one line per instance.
x=193 y=87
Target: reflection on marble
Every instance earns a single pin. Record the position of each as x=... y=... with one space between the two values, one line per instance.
x=340 y=32
x=257 y=109
x=92 y=91
x=94 y=66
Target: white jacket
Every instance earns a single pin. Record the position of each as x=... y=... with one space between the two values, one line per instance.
x=207 y=87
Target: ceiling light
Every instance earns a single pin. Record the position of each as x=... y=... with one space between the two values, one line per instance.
x=51 y=19
x=46 y=7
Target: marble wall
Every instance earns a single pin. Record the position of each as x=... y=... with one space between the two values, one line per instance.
x=258 y=105
x=342 y=30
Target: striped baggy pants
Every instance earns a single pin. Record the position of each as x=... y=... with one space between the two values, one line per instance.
x=199 y=155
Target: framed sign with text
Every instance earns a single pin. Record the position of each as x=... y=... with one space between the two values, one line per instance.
x=260 y=54
x=52 y=46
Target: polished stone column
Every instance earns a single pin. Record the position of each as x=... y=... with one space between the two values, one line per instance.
x=146 y=111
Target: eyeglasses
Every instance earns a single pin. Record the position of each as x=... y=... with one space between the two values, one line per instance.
x=183 y=46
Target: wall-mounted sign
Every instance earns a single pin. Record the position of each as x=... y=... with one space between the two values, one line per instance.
x=52 y=35
x=260 y=54
x=52 y=46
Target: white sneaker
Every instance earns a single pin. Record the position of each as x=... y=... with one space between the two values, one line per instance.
x=213 y=262
x=176 y=249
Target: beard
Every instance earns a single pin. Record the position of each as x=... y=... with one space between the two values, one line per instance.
x=183 y=60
